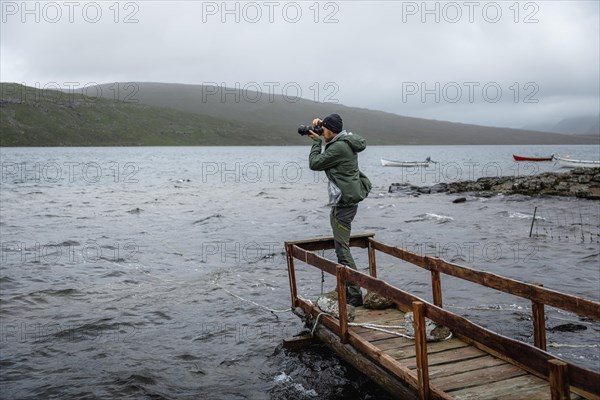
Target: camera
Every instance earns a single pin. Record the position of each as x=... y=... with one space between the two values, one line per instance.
x=304 y=129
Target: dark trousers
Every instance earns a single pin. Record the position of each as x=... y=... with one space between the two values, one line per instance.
x=341 y=221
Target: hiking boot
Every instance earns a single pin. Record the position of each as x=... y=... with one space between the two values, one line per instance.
x=355 y=301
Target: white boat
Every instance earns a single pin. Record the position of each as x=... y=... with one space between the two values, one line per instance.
x=570 y=163
x=391 y=163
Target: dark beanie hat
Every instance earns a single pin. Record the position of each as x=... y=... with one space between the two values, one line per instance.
x=333 y=122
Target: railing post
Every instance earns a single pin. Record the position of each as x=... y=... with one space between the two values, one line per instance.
x=340 y=273
x=291 y=274
x=559 y=381
x=436 y=286
x=539 y=324
x=421 y=349
x=372 y=262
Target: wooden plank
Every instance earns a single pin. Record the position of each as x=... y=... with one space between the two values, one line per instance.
x=393 y=343
x=388 y=322
x=374 y=336
x=473 y=364
x=408 y=350
x=445 y=357
x=314 y=260
x=326 y=242
x=367 y=315
x=550 y=297
x=478 y=377
x=524 y=387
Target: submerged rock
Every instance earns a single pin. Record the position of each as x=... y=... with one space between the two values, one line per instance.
x=568 y=328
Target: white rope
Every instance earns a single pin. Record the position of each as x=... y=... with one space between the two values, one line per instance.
x=380 y=329
x=273 y=311
x=312 y=331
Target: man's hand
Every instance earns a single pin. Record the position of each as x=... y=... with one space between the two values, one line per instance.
x=314 y=136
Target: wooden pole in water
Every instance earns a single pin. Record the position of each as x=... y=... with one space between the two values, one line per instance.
x=532 y=221
x=539 y=323
x=291 y=274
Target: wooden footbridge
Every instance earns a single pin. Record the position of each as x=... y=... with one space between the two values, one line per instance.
x=475 y=364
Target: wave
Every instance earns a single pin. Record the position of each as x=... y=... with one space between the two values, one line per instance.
x=440 y=219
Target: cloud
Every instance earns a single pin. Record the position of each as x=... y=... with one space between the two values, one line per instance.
x=360 y=53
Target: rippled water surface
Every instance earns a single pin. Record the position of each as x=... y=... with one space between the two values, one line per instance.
x=138 y=272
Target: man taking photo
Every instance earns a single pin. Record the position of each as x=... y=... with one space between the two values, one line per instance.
x=347 y=186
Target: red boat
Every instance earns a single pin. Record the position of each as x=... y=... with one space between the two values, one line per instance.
x=520 y=158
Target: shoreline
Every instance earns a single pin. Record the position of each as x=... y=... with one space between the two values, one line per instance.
x=579 y=182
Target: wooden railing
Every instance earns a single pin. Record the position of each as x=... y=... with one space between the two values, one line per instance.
x=534 y=359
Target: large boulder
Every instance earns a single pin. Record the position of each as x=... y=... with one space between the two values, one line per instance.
x=433 y=331
x=328 y=303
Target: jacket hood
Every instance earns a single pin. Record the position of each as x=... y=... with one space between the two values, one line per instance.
x=357 y=143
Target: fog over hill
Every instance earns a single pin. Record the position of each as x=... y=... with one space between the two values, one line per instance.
x=286 y=114
x=178 y=114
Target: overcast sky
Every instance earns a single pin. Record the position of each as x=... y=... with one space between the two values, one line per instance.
x=503 y=63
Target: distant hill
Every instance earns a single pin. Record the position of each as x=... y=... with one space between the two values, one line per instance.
x=584 y=125
x=29 y=117
x=175 y=114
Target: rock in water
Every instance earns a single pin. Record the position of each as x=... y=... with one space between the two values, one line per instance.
x=329 y=303
x=433 y=331
x=377 y=302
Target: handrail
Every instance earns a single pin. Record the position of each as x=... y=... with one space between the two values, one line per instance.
x=524 y=290
x=535 y=360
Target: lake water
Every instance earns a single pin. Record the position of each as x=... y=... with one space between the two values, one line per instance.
x=122 y=268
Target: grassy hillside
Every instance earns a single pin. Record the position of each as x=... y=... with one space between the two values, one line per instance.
x=55 y=119
x=173 y=114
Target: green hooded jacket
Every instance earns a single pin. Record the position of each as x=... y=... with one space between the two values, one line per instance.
x=340 y=163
